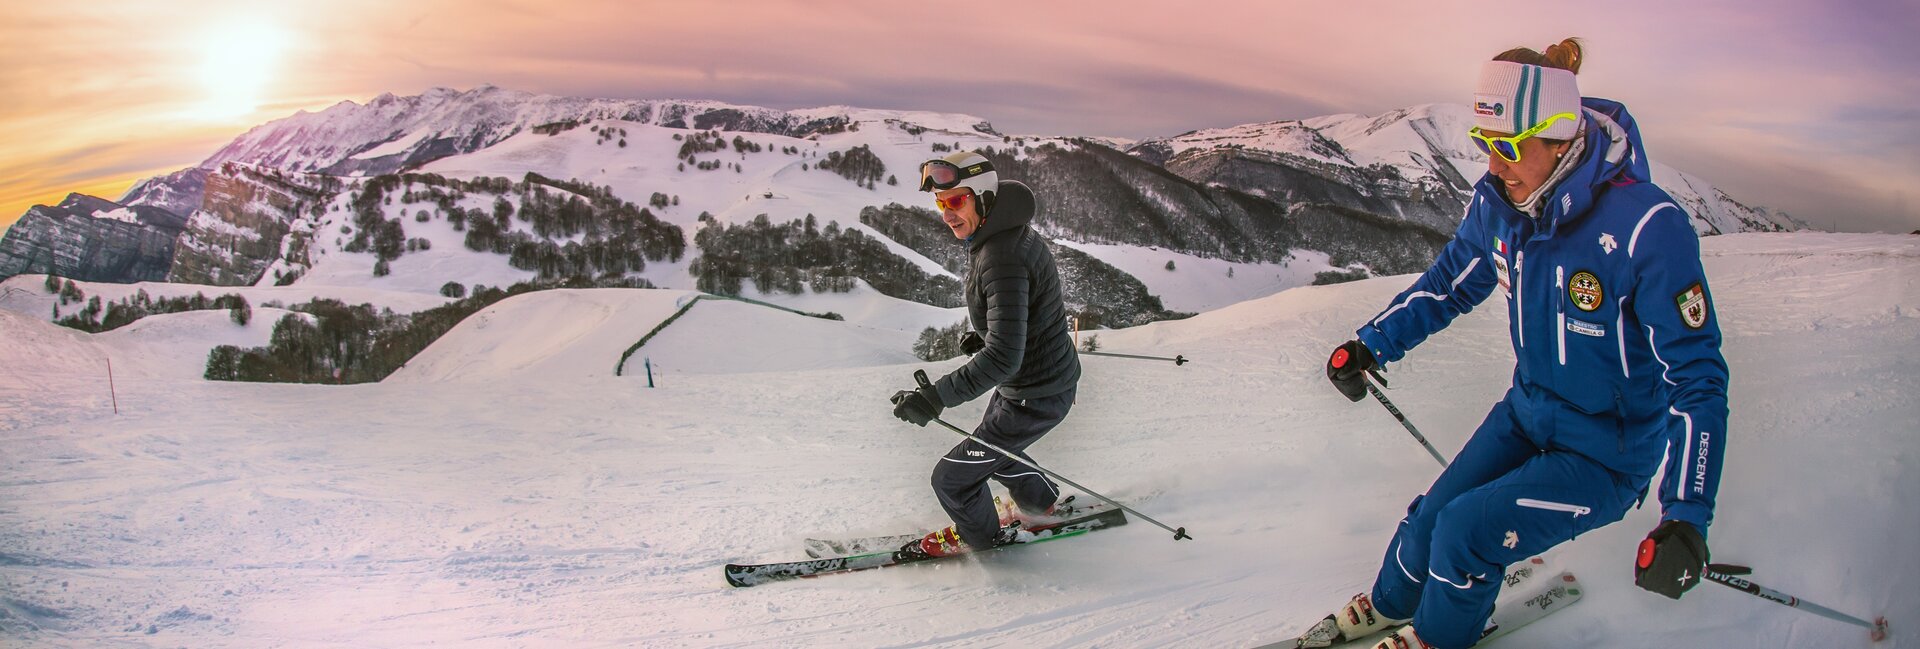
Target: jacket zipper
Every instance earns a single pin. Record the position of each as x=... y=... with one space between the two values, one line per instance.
x=1620 y=419
x=1576 y=510
x=1559 y=285
x=1620 y=336
x=1520 y=294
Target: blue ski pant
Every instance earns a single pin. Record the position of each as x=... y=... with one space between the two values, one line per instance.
x=1502 y=499
x=960 y=477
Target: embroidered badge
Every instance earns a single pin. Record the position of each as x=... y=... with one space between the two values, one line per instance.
x=1512 y=541
x=1584 y=289
x=1585 y=328
x=1693 y=306
x=1607 y=243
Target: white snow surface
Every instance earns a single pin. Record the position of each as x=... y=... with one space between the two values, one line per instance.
x=547 y=505
x=572 y=334
x=1201 y=283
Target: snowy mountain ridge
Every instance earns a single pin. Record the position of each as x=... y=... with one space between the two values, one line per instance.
x=390 y=132
x=1263 y=206
x=1429 y=143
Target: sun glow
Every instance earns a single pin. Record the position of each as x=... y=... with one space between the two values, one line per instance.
x=238 y=63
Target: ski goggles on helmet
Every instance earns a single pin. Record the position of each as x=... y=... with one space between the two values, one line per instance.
x=953 y=203
x=1508 y=148
x=940 y=175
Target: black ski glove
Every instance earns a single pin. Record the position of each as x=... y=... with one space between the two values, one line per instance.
x=917 y=407
x=1671 y=559
x=1347 y=368
x=971 y=343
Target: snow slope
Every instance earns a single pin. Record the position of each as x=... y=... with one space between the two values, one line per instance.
x=650 y=163
x=1202 y=284
x=537 y=508
x=575 y=334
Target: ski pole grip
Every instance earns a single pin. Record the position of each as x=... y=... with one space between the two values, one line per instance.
x=920 y=377
x=1340 y=358
x=1645 y=557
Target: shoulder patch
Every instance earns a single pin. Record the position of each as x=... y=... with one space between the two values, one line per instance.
x=1693 y=306
x=1585 y=291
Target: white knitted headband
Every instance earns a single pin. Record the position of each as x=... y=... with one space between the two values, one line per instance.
x=1513 y=97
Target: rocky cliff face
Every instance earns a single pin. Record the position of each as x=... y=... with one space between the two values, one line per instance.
x=243 y=223
x=92 y=239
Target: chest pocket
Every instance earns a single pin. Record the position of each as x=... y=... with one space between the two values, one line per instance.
x=1591 y=327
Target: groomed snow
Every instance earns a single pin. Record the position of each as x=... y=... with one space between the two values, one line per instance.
x=539 y=509
x=582 y=334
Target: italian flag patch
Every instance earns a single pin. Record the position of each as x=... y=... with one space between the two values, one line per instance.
x=1693 y=306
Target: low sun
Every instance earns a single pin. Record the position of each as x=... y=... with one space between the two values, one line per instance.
x=237 y=63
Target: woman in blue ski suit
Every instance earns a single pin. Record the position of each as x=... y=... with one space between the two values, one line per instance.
x=1617 y=349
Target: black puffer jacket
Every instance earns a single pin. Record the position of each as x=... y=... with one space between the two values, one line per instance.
x=1013 y=298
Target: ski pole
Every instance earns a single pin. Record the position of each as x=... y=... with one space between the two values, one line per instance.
x=1377 y=394
x=1727 y=575
x=1181 y=533
x=1177 y=360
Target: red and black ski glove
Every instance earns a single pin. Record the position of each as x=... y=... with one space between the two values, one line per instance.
x=1347 y=367
x=1671 y=559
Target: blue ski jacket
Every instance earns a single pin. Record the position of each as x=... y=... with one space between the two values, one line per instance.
x=1616 y=344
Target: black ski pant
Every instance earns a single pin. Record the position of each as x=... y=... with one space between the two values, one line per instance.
x=960 y=477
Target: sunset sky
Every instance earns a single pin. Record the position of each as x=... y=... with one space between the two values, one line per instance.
x=1811 y=107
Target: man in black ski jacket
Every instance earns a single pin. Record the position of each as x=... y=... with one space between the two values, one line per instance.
x=1020 y=342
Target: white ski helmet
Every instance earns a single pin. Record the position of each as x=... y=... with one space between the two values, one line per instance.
x=962 y=169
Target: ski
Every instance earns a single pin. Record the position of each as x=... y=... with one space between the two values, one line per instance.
x=1528 y=594
x=744 y=575
x=1547 y=598
x=830 y=548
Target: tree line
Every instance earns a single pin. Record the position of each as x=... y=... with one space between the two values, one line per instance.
x=97 y=316
x=800 y=255
x=616 y=237
x=858 y=164
x=329 y=341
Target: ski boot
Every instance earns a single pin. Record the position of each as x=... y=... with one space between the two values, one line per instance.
x=1356 y=619
x=1011 y=513
x=1014 y=523
x=1402 y=638
x=946 y=542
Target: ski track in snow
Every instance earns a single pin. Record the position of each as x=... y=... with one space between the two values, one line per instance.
x=534 y=504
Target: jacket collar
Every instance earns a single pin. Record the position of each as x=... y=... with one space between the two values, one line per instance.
x=1013 y=208
x=1611 y=156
